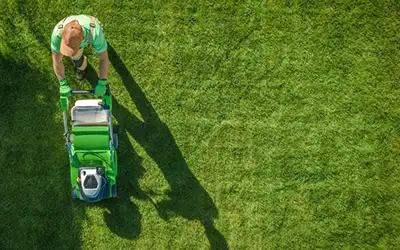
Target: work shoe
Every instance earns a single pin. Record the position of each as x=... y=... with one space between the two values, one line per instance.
x=80 y=74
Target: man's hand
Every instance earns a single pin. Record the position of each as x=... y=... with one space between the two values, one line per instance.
x=65 y=90
x=100 y=89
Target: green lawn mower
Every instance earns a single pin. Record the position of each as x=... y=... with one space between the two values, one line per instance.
x=92 y=147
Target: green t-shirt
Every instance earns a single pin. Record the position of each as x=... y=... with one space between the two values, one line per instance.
x=99 y=41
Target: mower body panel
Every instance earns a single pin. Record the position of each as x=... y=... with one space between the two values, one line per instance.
x=93 y=155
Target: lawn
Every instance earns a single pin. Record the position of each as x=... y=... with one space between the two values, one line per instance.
x=242 y=125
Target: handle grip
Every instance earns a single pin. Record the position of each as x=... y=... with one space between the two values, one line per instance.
x=82 y=92
x=86 y=92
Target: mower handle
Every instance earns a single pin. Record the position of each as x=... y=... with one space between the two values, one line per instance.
x=85 y=92
x=82 y=92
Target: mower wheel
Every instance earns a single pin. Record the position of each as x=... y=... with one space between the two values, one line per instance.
x=114 y=191
x=73 y=193
x=115 y=139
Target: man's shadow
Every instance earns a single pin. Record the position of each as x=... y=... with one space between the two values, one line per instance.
x=187 y=198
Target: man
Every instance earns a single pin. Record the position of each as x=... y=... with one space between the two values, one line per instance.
x=70 y=36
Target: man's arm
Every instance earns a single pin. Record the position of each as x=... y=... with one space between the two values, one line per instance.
x=103 y=64
x=58 y=65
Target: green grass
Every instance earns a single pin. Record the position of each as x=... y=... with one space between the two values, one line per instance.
x=242 y=124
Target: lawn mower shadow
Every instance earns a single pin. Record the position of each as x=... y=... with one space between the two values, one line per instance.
x=122 y=216
x=187 y=198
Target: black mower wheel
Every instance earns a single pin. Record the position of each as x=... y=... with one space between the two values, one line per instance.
x=114 y=191
x=73 y=193
x=115 y=139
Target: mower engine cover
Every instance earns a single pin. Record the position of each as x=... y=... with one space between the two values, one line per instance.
x=92 y=183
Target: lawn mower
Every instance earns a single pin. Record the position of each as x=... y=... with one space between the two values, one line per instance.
x=92 y=147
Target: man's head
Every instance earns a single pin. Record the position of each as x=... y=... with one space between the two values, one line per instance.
x=72 y=36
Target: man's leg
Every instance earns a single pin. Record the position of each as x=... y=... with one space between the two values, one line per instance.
x=80 y=62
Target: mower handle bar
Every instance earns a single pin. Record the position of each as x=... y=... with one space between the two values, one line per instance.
x=85 y=92
x=82 y=92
